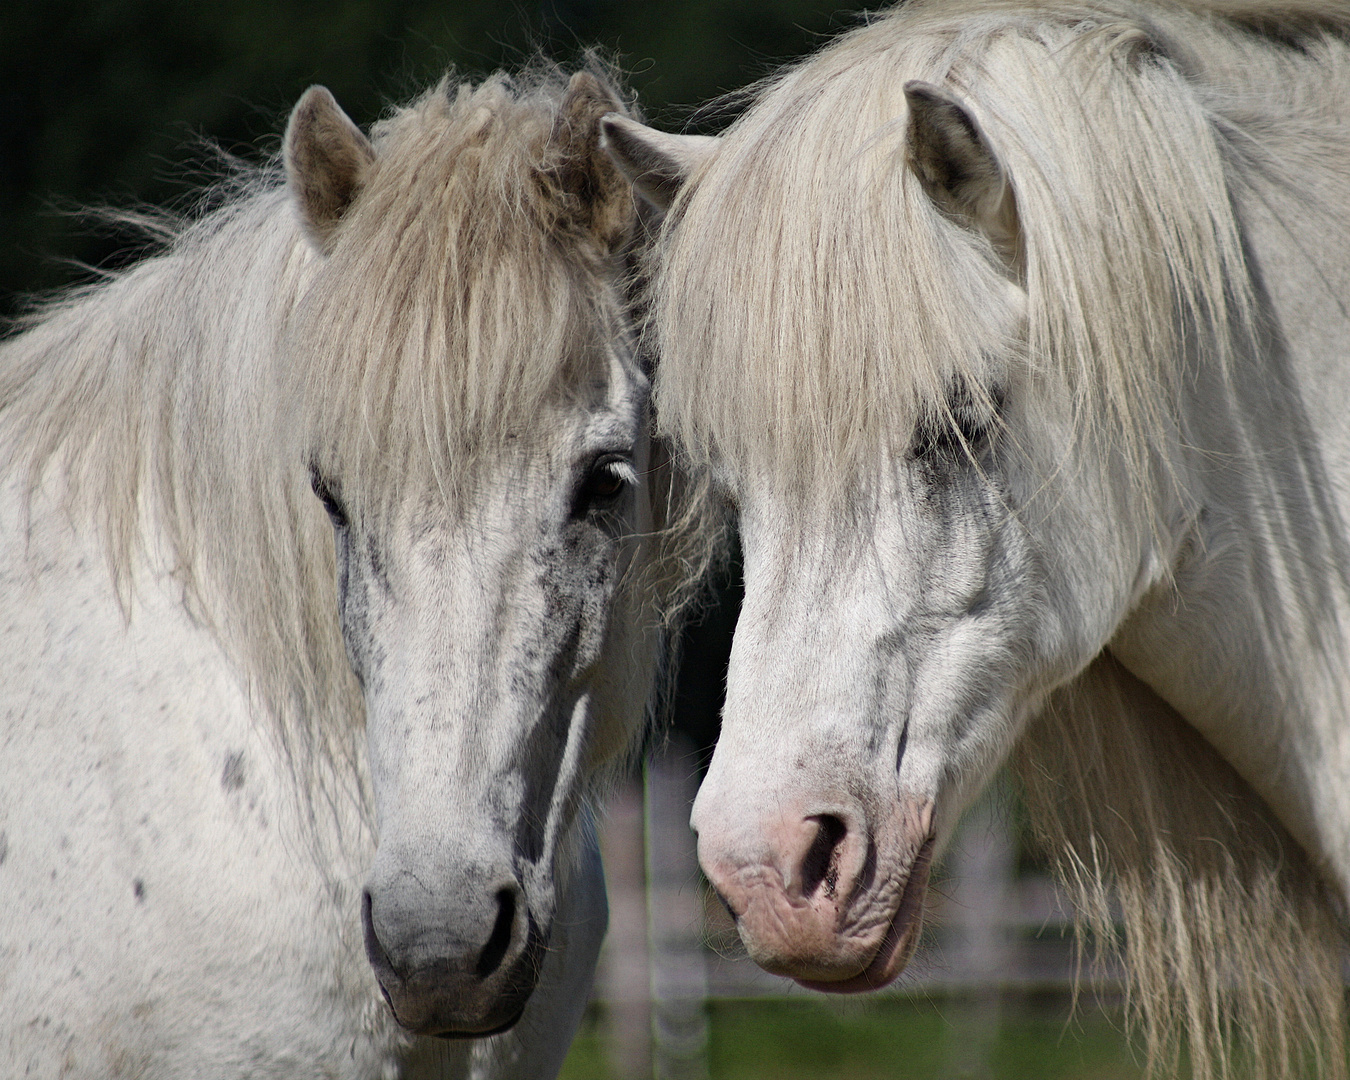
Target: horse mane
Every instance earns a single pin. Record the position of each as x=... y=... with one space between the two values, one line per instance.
x=818 y=357
x=173 y=405
x=1230 y=940
x=807 y=350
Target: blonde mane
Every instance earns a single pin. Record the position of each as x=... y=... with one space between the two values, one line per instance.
x=1231 y=942
x=816 y=358
x=176 y=406
x=806 y=350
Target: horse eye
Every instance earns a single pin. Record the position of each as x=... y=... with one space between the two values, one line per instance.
x=606 y=481
x=961 y=428
x=337 y=513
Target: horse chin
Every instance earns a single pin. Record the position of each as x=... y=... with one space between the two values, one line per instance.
x=498 y=1030
x=459 y=1017
x=902 y=936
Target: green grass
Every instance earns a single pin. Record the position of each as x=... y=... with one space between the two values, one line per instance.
x=1023 y=1037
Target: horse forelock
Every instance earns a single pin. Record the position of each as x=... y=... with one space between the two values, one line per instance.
x=459 y=300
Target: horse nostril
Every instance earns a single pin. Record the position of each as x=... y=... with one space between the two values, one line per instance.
x=495 y=950
x=820 y=865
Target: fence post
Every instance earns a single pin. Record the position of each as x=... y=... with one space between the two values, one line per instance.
x=679 y=978
x=625 y=980
x=978 y=920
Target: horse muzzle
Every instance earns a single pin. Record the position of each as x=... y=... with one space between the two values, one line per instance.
x=831 y=899
x=461 y=973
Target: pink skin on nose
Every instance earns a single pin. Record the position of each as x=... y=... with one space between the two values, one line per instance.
x=834 y=901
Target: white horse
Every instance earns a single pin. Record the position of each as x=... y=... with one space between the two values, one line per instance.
x=1016 y=334
x=209 y=719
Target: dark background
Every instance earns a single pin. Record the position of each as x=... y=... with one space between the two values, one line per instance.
x=108 y=103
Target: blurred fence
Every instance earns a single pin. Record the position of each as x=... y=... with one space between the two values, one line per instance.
x=671 y=946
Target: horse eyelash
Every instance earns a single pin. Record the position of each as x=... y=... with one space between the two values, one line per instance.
x=616 y=467
x=624 y=470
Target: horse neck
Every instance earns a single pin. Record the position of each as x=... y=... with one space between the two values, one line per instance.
x=1251 y=642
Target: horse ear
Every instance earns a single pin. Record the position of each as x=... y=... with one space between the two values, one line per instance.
x=594 y=190
x=952 y=158
x=327 y=159
x=656 y=164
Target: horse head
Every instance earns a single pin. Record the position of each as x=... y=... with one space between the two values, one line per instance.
x=950 y=490
x=477 y=434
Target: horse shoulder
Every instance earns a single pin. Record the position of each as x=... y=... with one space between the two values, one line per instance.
x=152 y=848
